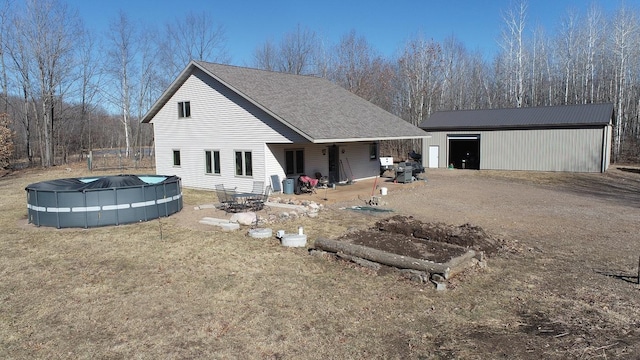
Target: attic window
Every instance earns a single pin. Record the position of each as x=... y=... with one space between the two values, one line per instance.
x=184 y=109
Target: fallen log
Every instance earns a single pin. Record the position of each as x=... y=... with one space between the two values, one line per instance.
x=360 y=261
x=383 y=257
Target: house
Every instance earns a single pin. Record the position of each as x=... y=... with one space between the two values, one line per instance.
x=221 y=124
x=573 y=138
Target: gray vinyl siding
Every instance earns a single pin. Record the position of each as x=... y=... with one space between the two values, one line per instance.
x=573 y=150
x=220 y=119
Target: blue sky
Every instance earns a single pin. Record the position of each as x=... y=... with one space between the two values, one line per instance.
x=385 y=24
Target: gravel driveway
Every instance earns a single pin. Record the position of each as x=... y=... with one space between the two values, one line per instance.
x=572 y=278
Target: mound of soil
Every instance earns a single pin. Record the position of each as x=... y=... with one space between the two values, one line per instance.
x=438 y=242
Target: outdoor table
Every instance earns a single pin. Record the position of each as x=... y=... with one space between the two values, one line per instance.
x=245 y=196
x=243 y=200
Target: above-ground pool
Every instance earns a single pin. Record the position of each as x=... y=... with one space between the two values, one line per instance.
x=100 y=201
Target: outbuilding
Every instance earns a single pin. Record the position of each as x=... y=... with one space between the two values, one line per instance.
x=572 y=138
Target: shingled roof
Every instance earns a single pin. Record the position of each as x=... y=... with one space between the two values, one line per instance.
x=566 y=116
x=316 y=108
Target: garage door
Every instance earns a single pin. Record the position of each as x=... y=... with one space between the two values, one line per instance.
x=464 y=151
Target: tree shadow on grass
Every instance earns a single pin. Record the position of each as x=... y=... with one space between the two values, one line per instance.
x=621 y=187
x=619 y=275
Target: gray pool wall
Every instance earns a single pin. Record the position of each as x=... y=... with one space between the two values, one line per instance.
x=105 y=206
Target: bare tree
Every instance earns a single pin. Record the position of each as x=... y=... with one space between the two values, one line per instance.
x=20 y=65
x=6 y=141
x=352 y=63
x=540 y=71
x=45 y=32
x=145 y=86
x=120 y=66
x=456 y=72
x=419 y=80
x=624 y=37
x=420 y=68
x=194 y=36
x=266 y=57
x=513 y=46
x=568 y=50
x=297 y=51
x=89 y=84
x=593 y=40
x=295 y=54
x=478 y=81
x=4 y=81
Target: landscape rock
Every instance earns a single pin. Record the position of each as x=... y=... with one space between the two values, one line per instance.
x=246 y=218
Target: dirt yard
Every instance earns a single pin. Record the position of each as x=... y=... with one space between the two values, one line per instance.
x=562 y=286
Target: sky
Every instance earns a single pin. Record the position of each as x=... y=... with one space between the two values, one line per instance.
x=386 y=24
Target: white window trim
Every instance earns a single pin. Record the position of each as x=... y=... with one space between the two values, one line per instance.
x=244 y=165
x=213 y=162
x=182 y=108
x=173 y=157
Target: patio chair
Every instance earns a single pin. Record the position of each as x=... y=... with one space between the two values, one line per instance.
x=258 y=187
x=225 y=197
x=257 y=204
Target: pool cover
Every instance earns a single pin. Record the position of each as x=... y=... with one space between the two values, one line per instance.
x=106 y=182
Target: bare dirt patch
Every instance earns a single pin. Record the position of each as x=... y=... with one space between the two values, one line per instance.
x=437 y=242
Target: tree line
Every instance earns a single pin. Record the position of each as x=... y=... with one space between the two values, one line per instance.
x=66 y=89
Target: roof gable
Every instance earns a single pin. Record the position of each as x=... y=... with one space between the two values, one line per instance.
x=566 y=116
x=316 y=108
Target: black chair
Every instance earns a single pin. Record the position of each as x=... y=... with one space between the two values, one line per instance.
x=257 y=204
x=227 y=201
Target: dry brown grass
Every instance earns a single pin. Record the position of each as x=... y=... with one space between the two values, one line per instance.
x=126 y=292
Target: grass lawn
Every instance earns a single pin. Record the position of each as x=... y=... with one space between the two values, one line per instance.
x=169 y=289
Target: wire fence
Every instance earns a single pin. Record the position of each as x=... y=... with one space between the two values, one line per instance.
x=116 y=159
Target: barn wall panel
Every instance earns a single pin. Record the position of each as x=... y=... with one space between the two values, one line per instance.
x=573 y=150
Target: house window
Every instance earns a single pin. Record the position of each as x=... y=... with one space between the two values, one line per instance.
x=184 y=109
x=373 y=151
x=176 y=157
x=294 y=162
x=212 y=162
x=244 y=166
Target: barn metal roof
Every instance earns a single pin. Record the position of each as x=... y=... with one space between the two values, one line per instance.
x=566 y=116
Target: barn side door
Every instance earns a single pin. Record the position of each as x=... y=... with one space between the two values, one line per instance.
x=434 y=153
